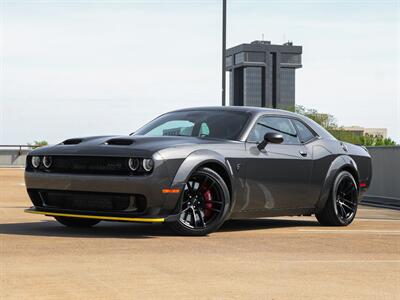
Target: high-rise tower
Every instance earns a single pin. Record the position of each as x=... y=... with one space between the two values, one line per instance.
x=262 y=74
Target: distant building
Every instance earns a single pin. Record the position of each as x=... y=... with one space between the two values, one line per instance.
x=262 y=74
x=360 y=131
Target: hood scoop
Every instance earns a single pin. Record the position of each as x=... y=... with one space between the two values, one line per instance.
x=119 y=142
x=72 y=142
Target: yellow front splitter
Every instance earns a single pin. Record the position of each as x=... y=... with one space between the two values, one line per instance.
x=106 y=218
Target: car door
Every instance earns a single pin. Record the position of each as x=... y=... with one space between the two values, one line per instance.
x=278 y=176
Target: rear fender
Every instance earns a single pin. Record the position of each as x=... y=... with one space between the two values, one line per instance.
x=339 y=163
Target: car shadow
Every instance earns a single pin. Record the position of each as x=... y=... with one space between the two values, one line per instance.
x=52 y=228
x=103 y=230
x=256 y=224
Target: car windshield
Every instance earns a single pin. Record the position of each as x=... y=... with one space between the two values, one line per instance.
x=226 y=125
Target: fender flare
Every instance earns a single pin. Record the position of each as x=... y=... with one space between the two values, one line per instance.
x=338 y=164
x=200 y=157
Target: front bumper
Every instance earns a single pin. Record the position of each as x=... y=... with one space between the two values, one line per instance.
x=150 y=186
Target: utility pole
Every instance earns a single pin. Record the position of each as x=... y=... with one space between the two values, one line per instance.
x=223 y=50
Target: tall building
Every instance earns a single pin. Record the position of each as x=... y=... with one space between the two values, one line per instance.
x=262 y=74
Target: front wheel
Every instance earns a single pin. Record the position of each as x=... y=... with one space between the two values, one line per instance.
x=341 y=206
x=77 y=222
x=205 y=204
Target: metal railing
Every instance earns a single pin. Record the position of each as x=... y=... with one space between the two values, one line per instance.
x=19 y=147
x=14 y=155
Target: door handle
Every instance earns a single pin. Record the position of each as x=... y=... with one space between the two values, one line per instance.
x=303 y=153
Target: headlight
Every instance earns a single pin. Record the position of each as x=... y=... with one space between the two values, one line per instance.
x=148 y=164
x=47 y=161
x=134 y=164
x=35 y=161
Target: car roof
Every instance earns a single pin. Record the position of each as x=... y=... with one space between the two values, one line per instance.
x=248 y=109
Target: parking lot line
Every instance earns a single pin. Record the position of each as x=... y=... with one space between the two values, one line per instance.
x=347 y=231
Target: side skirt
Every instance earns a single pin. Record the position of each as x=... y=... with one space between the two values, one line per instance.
x=272 y=213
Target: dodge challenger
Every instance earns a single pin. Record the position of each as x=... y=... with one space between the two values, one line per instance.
x=193 y=169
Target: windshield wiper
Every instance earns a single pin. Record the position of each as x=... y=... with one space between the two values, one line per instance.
x=178 y=134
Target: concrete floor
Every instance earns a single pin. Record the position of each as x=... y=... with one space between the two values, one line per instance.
x=277 y=258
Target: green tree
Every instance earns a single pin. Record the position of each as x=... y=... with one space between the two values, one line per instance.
x=329 y=123
x=376 y=140
x=38 y=144
x=325 y=120
x=389 y=142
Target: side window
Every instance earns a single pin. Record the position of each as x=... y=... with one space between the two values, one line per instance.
x=204 y=130
x=173 y=128
x=305 y=134
x=279 y=125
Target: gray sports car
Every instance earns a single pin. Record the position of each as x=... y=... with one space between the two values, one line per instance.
x=195 y=168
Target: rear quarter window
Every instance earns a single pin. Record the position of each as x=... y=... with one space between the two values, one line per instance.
x=305 y=134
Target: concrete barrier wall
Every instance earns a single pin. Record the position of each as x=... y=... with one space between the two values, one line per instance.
x=385 y=185
x=13 y=157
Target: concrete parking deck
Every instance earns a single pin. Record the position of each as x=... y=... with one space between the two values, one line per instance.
x=276 y=258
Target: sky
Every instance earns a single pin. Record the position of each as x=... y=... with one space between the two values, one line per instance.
x=81 y=68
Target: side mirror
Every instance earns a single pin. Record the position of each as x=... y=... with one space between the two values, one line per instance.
x=270 y=137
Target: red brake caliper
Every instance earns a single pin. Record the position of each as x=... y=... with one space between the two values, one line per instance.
x=207 y=202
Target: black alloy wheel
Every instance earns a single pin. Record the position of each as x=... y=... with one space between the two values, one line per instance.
x=346 y=199
x=205 y=203
x=341 y=206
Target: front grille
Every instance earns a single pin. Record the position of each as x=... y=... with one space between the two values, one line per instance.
x=90 y=165
x=93 y=201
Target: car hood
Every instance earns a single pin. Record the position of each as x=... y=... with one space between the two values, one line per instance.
x=120 y=145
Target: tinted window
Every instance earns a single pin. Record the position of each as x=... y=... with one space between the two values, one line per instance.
x=305 y=134
x=173 y=128
x=214 y=124
x=204 y=130
x=279 y=125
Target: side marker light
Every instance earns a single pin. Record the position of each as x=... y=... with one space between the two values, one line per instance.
x=171 y=191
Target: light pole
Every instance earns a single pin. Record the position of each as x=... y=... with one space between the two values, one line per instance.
x=223 y=49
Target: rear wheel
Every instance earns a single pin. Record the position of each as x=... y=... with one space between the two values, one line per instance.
x=341 y=206
x=205 y=204
x=77 y=222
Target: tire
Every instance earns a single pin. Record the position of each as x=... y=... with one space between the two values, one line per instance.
x=77 y=222
x=341 y=207
x=205 y=204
